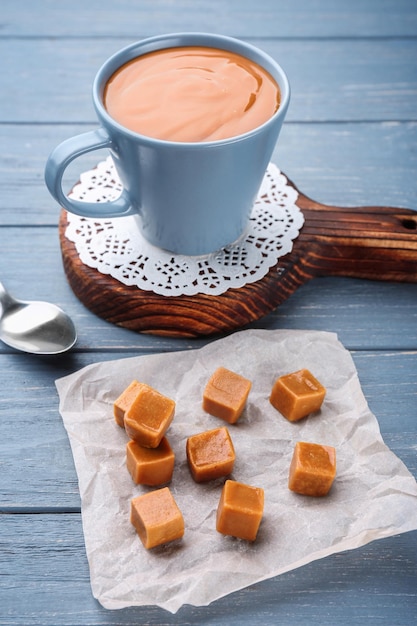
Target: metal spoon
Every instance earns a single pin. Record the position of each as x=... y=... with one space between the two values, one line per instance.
x=35 y=327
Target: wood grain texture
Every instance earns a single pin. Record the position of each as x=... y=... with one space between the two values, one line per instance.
x=366 y=315
x=269 y=18
x=335 y=80
x=349 y=140
x=377 y=243
x=50 y=566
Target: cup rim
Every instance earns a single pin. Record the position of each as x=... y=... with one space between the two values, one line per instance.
x=180 y=39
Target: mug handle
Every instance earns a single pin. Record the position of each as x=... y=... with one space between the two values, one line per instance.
x=58 y=161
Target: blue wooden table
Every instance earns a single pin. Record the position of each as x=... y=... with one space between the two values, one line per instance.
x=350 y=139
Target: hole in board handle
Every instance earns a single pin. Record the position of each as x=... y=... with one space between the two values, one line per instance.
x=409 y=223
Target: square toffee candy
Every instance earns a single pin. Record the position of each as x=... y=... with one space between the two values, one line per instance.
x=210 y=454
x=296 y=395
x=124 y=401
x=148 y=417
x=312 y=469
x=225 y=395
x=157 y=518
x=240 y=510
x=150 y=466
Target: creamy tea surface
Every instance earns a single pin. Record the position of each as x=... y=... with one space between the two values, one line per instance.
x=191 y=94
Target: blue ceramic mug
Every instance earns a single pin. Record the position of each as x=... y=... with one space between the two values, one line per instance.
x=190 y=198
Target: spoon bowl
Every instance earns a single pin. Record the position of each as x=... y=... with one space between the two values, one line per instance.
x=35 y=327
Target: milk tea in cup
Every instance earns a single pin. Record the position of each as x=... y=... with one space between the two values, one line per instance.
x=191 y=94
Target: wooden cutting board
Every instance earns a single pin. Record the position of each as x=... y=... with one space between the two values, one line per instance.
x=377 y=243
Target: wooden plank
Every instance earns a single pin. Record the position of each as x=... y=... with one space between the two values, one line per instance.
x=359 y=311
x=37 y=465
x=332 y=80
x=49 y=585
x=350 y=139
x=351 y=164
x=341 y=164
x=362 y=313
x=269 y=18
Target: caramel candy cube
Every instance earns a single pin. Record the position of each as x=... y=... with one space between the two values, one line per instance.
x=240 y=510
x=312 y=469
x=124 y=401
x=150 y=466
x=210 y=454
x=297 y=395
x=225 y=395
x=148 y=417
x=156 y=518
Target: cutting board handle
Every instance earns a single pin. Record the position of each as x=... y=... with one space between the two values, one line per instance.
x=374 y=242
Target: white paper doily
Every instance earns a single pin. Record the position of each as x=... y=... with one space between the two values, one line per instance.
x=116 y=247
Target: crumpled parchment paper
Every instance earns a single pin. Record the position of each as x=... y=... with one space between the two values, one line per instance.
x=373 y=496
